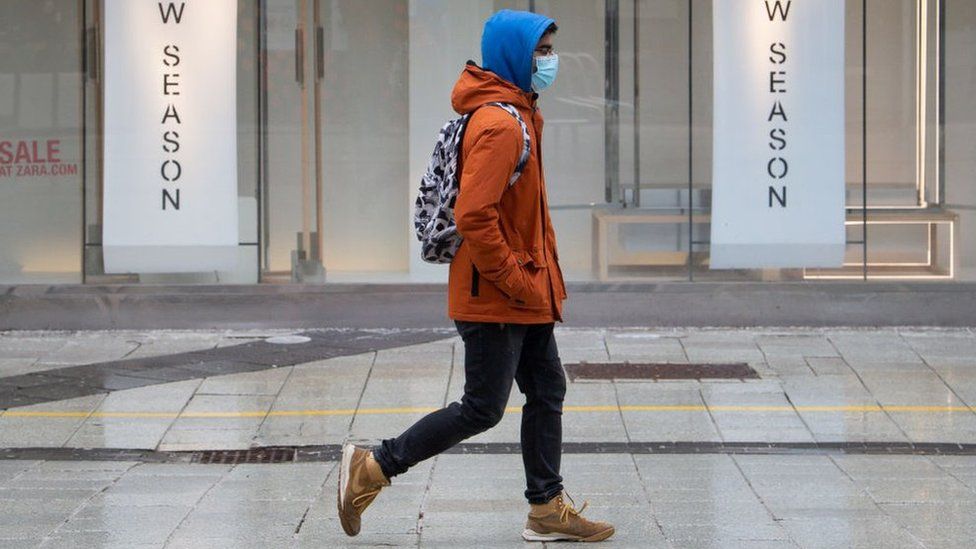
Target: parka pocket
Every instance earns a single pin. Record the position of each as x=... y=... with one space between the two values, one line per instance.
x=535 y=269
x=532 y=257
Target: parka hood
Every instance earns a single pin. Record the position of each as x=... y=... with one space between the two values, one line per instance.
x=507 y=43
x=477 y=86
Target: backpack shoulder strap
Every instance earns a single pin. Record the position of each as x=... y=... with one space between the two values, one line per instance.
x=526 y=142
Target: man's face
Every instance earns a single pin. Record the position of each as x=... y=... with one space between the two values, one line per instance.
x=544 y=47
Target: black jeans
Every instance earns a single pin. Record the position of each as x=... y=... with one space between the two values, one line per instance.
x=494 y=355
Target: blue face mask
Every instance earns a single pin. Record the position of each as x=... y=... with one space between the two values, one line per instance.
x=545 y=72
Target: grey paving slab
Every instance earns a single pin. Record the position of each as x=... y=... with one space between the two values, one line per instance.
x=302 y=431
x=898 y=388
x=207 y=439
x=103 y=540
x=426 y=392
x=313 y=532
x=120 y=433
x=939 y=524
x=153 y=490
x=962 y=383
x=829 y=366
x=795 y=344
x=17 y=366
x=246 y=522
x=33 y=525
x=59 y=484
x=152 y=344
x=669 y=425
x=584 y=426
x=873 y=347
x=786 y=366
x=262 y=382
x=32 y=344
x=725 y=346
x=956 y=427
x=134 y=432
x=943 y=348
x=578 y=339
x=772 y=426
x=193 y=415
x=852 y=427
x=642 y=346
x=12 y=469
x=828 y=391
x=29 y=431
x=334 y=378
x=855 y=533
x=136 y=524
x=88 y=347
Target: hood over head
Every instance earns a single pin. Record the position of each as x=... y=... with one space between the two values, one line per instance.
x=477 y=86
x=508 y=42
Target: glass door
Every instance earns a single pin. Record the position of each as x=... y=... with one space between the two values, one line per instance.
x=291 y=141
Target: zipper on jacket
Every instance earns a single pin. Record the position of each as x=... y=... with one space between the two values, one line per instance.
x=474 y=281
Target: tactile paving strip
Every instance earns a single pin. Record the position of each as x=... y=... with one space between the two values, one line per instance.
x=332 y=452
x=658 y=370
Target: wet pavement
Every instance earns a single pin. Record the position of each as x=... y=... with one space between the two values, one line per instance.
x=847 y=438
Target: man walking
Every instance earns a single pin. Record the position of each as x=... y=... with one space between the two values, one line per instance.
x=505 y=291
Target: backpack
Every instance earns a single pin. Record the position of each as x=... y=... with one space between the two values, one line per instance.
x=433 y=216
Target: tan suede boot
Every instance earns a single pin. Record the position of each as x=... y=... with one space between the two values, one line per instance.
x=360 y=480
x=557 y=521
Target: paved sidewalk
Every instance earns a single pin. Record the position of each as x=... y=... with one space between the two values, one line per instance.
x=807 y=471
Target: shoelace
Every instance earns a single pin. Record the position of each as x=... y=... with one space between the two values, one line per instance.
x=568 y=510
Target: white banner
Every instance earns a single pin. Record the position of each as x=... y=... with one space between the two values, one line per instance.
x=170 y=162
x=778 y=143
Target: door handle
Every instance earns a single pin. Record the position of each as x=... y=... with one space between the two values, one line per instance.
x=300 y=56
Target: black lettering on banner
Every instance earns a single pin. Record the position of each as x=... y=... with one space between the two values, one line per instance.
x=777 y=167
x=774 y=82
x=169 y=198
x=171 y=113
x=167 y=84
x=171 y=170
x=784 y=167
x=170 y=11
x=173 y=176
x=777 y=110
x=778 y=49
x=777 y=7
x=172 y=53
x=172 y=143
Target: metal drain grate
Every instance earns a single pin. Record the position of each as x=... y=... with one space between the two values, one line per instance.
x=254 y=455
x=655 y=371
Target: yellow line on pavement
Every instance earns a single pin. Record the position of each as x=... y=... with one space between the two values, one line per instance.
x=13 y=413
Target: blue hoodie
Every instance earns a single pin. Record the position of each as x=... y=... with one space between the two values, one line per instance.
x=508 y=42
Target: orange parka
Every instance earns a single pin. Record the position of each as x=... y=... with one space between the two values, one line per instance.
x=507 y=268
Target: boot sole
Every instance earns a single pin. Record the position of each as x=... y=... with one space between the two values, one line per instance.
x=531 y=535
x=347 y=452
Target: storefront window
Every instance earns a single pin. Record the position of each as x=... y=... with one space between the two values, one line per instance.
x=40 y=142
x=338 y=104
